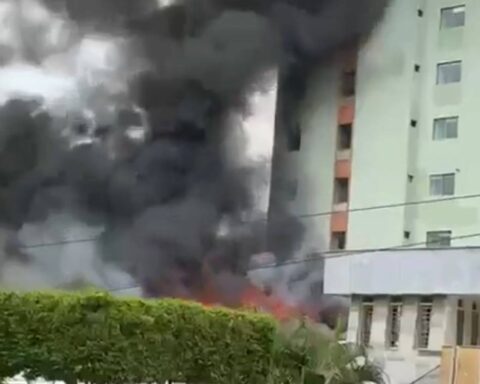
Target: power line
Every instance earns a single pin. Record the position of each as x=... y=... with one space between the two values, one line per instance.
x=319 y=257
x=301 y=216
x=63 y=242
x=352 y=253
x=393 y=205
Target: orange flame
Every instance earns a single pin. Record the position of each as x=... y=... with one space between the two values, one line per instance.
x=256 y=299
x=250 y=297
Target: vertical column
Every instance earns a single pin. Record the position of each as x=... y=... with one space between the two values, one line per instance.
x=354 y=320
x=437 y=324
x=450 y=324
x=379 y=323
x=467 y=327
x=408 y=325
x=342 y=172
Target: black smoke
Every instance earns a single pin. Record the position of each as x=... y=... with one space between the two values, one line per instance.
x=176 y=203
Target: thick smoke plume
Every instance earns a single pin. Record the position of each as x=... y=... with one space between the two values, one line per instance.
x=121 y=114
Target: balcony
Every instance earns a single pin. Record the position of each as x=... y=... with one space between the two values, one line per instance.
x=452 y=271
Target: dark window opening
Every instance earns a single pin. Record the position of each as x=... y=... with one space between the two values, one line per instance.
x=475 y=325
x=291 y=189
x=338 y=241
x=460 y=323
x=344 y=137
x=413 y=123
x=348 y=83
x=424 y=317
x=406 y=235
x=294 y=138
x=394 y=322
x=366 y=319
x=417 y=68
x=420 y=13
x=341 y=191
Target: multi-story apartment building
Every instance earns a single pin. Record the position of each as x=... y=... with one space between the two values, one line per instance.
x=384 y=174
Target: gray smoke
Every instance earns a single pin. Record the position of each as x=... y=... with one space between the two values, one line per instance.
x=140 y=147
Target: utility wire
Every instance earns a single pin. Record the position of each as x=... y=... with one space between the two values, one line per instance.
x=335 y=255
x=319 y=257
x=300 y=216
x=393 y=205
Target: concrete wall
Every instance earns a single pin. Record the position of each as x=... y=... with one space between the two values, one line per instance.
x=380 y=141
x=451 y=271
x=403 y=364
x=313 y=165
x=459 y=156
x=387 y=149
x=406 y=362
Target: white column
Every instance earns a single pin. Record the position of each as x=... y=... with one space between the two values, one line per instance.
x=408 y=324
x=379 y=322
x=437 y=324
x=467 y=327
x=353 y=319
x=450 y=324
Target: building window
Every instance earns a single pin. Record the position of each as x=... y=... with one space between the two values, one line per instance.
x=393 y=326
x=475 y=324
x=348 y=83
x=341 y=191
x=439 y=239
x=424 y=318
x=344 y=137
x=452 y=17
x=445 y=128
x=291 y=189
x=338 y=241
x=442 y=185
x=366 y=317
x=450 y=72
x=294 y=139
x=460 y=322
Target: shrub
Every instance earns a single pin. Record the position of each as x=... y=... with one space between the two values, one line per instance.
x=100 y=339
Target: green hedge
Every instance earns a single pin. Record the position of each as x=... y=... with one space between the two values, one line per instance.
x=100 y=339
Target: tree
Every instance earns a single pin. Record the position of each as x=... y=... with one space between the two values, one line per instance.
x=325 y=359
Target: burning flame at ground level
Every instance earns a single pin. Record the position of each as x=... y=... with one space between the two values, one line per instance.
x=232 y=291
x=254 y=298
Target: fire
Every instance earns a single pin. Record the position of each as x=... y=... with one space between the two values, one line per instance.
x=256 y=299
x=247 y=296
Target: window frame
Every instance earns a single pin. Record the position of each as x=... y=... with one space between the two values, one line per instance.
x=442 y=177
x=439 y=244
x=345 y=134
x=338 y=237
x=443 y=12
x=445 y=128
x=460 y=324
x=422 y=339
x=446 y=64
x=367 y=309
x=394 y=323
x=475 y=323
x=342 y=187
